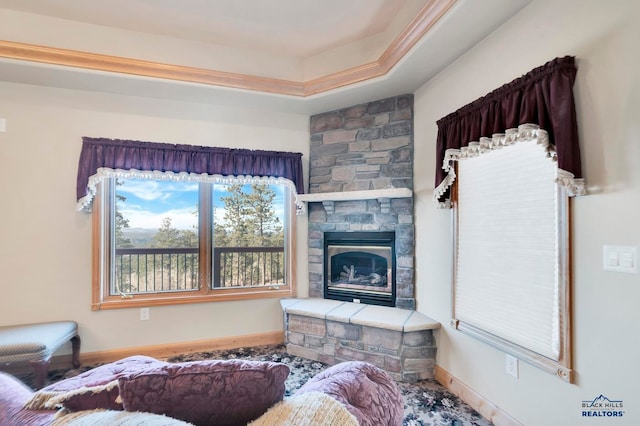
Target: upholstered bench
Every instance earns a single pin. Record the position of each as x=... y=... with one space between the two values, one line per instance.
x=36 y=343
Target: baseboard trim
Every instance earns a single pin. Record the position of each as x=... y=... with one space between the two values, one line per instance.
x=156 y=351
x=171 y=349
x=479 y=403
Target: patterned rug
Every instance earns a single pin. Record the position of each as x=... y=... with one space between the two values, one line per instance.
x=425 y=402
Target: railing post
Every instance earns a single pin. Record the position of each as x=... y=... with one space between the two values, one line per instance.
x=217 y=267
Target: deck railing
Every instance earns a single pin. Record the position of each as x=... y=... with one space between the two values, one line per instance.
x=248 y=266
x=155 y=270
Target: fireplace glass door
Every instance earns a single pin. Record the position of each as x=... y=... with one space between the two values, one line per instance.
x=360 y=267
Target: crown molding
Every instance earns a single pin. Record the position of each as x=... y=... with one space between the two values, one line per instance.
x=415 y=30
x=426 y=18
x=117 y=64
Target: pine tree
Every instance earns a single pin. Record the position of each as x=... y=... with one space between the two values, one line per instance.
x=236 y=217
x=166 y=236
x=178 y=266
x=121 y=222
x=266 y=224
x=249 y=221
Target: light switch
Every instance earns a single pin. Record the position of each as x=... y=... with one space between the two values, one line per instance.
x=626 y=260
x=620 y=259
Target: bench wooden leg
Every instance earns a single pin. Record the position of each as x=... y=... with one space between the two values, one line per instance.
x=75 y=354
x=41 y=369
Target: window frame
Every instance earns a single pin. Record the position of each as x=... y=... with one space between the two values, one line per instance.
x=101 y=248
x=562 y=367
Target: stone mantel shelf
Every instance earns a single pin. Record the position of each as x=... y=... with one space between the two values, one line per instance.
x=370 y=194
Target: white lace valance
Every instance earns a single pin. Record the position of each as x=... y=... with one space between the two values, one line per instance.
x=84 y=204
x=524 y=132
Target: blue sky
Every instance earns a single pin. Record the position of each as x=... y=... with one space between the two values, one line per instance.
x=150 y=201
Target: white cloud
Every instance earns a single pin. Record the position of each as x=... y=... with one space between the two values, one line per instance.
x=140 y=216
x=180 y=218
x=150 y=190
x=220 y=188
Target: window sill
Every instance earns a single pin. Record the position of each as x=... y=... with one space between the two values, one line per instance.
x=560 y=368
x=147 y=300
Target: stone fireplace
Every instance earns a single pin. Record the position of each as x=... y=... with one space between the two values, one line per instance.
x=361 y=182
x=361 y=243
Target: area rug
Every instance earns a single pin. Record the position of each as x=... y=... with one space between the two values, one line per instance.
x=426 y=403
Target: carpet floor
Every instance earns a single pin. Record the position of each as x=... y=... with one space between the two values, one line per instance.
x=426 y=403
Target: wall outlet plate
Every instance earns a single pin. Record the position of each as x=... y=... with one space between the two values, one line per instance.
x=511 y=365
x=144 y=314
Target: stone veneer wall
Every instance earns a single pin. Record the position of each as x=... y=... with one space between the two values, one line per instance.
x=364 y=147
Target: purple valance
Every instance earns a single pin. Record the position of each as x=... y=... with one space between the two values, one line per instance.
x=544 y=97
x=148 y=156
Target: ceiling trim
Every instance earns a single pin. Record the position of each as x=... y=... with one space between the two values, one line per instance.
x=117 y=64
x=426 y=18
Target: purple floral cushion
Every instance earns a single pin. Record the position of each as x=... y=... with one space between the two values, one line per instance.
x=98 y=376
x=220 y=392
x=88 y=398
x=368 y=392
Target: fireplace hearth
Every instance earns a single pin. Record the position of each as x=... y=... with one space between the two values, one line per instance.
x=360 y=267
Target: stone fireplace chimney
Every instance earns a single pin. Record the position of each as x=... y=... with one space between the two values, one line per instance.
x=365 y=151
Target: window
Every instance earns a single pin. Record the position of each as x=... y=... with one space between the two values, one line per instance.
x=159 y=239
x=511 y=283
x=226 y=231
x=511 y=275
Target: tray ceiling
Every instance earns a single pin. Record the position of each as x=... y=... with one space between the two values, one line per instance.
x=349 y=52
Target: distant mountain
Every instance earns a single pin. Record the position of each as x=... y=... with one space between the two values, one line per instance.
x=140 y=237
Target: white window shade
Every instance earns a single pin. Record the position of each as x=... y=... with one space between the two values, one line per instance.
x=509 y=278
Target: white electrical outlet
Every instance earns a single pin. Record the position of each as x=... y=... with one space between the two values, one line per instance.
x=511 y=366
x=144 y=314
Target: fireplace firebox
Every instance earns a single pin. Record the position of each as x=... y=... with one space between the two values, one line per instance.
x=360 y=267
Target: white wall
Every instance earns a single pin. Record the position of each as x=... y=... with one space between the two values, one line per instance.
x=604 y=37
x=45 y=245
